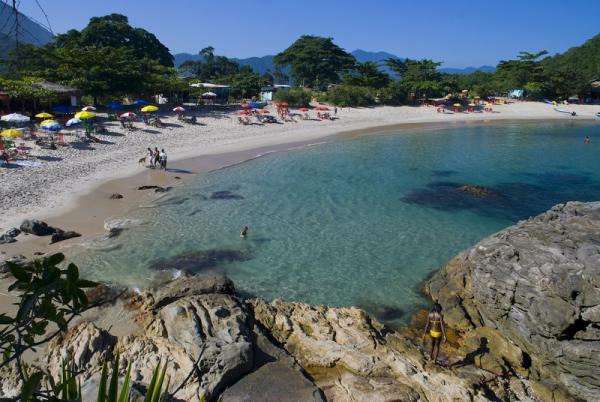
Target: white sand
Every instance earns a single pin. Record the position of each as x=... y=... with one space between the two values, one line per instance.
x=66 y=173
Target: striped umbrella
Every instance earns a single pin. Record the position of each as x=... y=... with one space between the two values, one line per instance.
x=51 y=125
x=73 y=122
x=88 y=109
x=128 y=115
x=179 y=109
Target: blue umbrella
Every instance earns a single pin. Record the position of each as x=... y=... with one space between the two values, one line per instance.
x=62 y=109
x=115 y=105
x=51 y=127
x=73 y=122
x=140 y=102
x=257 y=105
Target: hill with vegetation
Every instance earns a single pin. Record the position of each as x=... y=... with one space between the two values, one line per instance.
x=29 y=31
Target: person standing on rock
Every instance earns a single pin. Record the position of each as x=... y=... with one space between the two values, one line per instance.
x=436 y=329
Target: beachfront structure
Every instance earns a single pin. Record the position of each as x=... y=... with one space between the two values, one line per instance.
x=221 y=91
x=266 y=93
x=66 y=96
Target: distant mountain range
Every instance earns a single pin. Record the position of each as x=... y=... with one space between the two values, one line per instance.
x=265 y=64
x=29 y=31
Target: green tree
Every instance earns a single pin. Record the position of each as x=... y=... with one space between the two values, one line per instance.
x=367 y=75
x=422 y=77
x=315 y=61
x=114 y=31
x=350 y=96
x=296 y=97
x=245 y=85
x=398 y=66
x=524 y=71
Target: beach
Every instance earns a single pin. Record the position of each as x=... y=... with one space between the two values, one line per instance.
x=71 y=186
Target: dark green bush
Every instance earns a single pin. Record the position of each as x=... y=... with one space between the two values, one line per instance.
x=351 y=96
x=393 y=94
x=296 y=97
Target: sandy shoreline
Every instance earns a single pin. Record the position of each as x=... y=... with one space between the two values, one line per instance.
x=73 y=193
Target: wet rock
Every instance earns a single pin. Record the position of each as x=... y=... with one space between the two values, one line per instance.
x=5 y=239
x=225 y=195
x=61 y=235
x=198 y=261
x=536 y=285
x=162 y=189
x=116 y=196
x=148 y=187
x=15 y=259
x=477 y=191
x=191 y=286
x=36 y=227
x=13 y=232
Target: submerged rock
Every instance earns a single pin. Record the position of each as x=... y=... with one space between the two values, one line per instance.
x=478 y=191
x=225 y=195
x=198 y=261
x=535 y=285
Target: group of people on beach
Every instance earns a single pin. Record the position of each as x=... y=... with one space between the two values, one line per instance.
x=157 y=158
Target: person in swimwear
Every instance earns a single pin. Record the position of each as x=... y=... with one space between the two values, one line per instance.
x=436 y=329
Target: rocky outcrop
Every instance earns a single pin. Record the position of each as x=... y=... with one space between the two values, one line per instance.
x=352 y=357
x=536 y=288
x=36 y=227
x=61 y=235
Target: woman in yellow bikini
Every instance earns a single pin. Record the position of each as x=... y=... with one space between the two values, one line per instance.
x=435 y=327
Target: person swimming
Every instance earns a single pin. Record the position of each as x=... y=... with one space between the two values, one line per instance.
x=435 y=328
x=244 y=232
x=586 y=140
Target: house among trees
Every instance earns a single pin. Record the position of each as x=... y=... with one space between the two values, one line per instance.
x=266 y=93
x=66 y=95
x=221 y=91
x=28 y=95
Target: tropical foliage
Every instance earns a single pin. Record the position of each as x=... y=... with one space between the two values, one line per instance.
x=296 y=97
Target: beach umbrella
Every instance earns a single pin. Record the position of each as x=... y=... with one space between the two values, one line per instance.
x=15 y=118
x=62 y=109
x=50 y=125
x=88 y=109
x=457 y=105
x=140 y=102
x=246 y=106
x=179 y=109
x=115 y=105
x=209 y=94
x=472 y=104
x=283 y=104
x=256 y=105
x=44 y=115
x=128 y=115
x=304 y=109
x=321 y=108
x=245 y=112
x=11 y=133
x=73 y=122
x=265 y=111
x=149 y=109
x=476 y=97
x=85 y=115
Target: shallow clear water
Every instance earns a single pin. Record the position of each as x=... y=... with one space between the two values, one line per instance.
x=355 y=222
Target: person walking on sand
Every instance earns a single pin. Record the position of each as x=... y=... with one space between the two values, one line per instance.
x=156 y=156
x=244 y=232
x=163 y=159
x=151 y=156
x=436 y=329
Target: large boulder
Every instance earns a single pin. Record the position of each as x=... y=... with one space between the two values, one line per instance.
x=36 y=227
x=536 y=285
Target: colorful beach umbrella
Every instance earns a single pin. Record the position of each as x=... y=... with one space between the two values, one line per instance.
x=246 y=106
x=73 y=122
x=457 y=105
x=245 y=112
x=321 y=108
x=50 y=125
x=88 y=109
x=11 y=133
x=128 y=115
x=304 y=109
x=264 y=111
x=178 y=109
x=15 y=118
x=85 y=115
x=149 y=109
x=44 y=115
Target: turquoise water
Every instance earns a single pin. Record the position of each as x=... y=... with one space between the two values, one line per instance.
x=354 y=222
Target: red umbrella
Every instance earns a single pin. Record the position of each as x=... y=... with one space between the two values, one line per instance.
x=321 y=108
x=304 y=109
x=263 y=111
x=246 y=106
x=128 y=114
x=179 y=109
x=245 y=112
x=283 y=104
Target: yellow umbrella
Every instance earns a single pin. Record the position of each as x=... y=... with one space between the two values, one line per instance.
x=48 y=122
x=457 y=105
x=44 y=115
x=149 y=109
x=11 y=133
x=477 y=97
x=85 y=115
x=472 y=104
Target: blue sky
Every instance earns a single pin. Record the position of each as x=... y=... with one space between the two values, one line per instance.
x=459 y=33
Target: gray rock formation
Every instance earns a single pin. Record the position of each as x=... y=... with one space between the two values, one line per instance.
x=535 y=285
